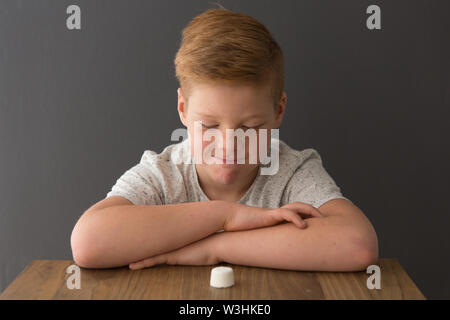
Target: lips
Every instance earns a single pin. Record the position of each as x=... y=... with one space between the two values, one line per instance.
x=231 y=161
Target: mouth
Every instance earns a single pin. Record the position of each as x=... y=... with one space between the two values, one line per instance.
x=230 y=161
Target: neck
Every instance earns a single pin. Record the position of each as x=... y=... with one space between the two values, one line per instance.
x=232 y=192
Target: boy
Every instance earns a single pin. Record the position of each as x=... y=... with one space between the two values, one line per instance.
x=169 y=210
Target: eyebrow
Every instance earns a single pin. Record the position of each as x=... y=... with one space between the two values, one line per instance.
x=248 y=118
x=205 y=115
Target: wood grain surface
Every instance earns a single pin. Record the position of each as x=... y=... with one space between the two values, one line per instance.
x=47 y=279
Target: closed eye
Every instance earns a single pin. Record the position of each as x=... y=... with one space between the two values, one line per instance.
x=209 y=127
x=243 y=127
x=255 y=127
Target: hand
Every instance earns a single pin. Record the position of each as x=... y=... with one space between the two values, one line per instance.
x=198 y=253
x=249 y=217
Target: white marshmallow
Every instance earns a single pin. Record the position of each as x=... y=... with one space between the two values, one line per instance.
x=222 y=277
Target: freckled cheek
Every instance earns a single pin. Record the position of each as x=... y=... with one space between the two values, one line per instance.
x=200 y=141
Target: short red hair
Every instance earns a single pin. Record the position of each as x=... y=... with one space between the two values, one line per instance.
x=221 y=46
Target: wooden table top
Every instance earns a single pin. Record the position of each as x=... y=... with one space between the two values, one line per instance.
x=47 y=279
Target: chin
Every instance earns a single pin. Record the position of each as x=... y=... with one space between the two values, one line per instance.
x=225 y=174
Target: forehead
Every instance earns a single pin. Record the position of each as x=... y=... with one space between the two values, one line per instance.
x=240 y=100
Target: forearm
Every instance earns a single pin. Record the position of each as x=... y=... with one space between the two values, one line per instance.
x=118 y=235
x=327 y=244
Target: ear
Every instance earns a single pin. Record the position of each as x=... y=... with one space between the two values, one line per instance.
x=280 y=110
x=181 y=107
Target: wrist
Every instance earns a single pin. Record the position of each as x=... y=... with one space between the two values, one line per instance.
x=216 y=247
x=230 y=210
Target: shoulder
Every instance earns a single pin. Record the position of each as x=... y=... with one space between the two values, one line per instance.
x=168 y=170
x=176 y=152
x=162 y=168
x=171 y=161
x=273 y=189
x=310 y=182
x=298 y=159
x=303 y=167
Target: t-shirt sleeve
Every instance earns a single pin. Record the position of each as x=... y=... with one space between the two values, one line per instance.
x=139 y=184
x=312 y=184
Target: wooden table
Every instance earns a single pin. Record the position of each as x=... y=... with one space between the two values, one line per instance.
x=47 y=279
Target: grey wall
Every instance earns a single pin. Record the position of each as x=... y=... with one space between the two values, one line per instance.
x=78 y=108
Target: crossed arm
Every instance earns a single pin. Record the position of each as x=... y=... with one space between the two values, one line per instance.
x=342 y=240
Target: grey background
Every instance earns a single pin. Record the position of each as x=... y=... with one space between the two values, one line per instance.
x=78 y=108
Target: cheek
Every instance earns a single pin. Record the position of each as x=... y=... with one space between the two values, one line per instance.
x=198 y=138
x=256 y=151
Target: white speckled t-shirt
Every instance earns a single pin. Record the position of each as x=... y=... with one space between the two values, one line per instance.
x=169 y=178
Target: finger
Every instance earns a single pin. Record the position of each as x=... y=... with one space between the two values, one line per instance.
x=296 y=219
x=284 y=214
x=149 y=262
x=136 y=265
x=290 y=215
x=304 y=208
x=140 y=264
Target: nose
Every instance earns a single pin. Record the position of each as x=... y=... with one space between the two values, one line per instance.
x=234 y=144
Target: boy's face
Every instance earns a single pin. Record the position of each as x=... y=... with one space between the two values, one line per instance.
x=229 y=107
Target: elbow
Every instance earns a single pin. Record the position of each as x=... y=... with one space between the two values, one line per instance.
x=365 y=252
x=91 y=249
x=83 y=251
x=82 y=256
x=366 y=257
